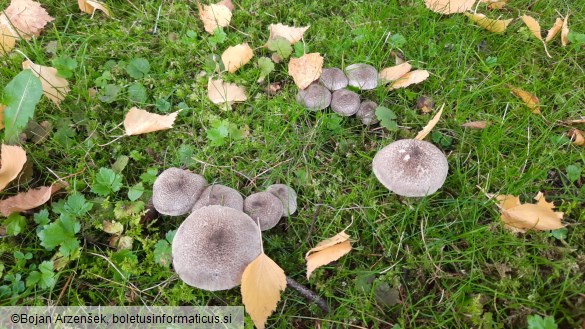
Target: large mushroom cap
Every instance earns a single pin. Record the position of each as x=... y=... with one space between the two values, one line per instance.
x=315 y=97
x=345 y=102
x=362 y=76
x=367 y=113
x=265 y=208
x=411 y=167
x=175 y=191
x=213 y=246
x=287 y=196
x=333 y=78
x=220 y=195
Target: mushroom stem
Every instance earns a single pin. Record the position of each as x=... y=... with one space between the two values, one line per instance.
x=308 y=294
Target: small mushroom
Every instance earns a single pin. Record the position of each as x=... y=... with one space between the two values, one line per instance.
x=345 y=102
x=175 y=191
x=333 y=78
x=362 y=76
x=315 y=97
x=367 y=113
x=287 y=196
x=264 y=207
x=213 y=246
x=220 y=195
x=411 y=167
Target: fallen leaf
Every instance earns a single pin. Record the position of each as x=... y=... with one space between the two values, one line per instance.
x=112 y=227
x=139 y=121
x=27 y=16
x=214 y=16
x=236 y=56
x=533 y=26
x=565 y=31
x=305 y=69
x=493 y=5
x=475 y=124
x=575 y=121
x=449 y=6
x=554 y=30
x=11 y=163
x=577 y=137
x=29 y=199
x=394 y=72
x=89 y=6
x=492 y=25
x=529 y=99
x=327 y=251
x=54 y=86
x=220 y=92
x=228 y=3
x=290 y=33
x=7 y=39
x=262 y=282
x=412 y=77
x=521 y=217
x=427 y=129
x=2 y=107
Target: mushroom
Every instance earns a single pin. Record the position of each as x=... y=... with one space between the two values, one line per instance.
x=333 y=78
x=175 y=191
x=213 y=246
x=367 y=113
x=315 y=97
x=287 y=196
x=411 y=167
x=345 y=102
x=362 y=76
x=264 y=207
x=220 y=195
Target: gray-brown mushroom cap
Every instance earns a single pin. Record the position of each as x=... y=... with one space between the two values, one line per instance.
x=175 y=191
x=221 y=195
x=315 y=97
x=367 y=113
x=287 y=196
x=333 y=78
x=362 y=76
x=410 y=167
x=264 y=207
x=213 y=246
x=345 y=102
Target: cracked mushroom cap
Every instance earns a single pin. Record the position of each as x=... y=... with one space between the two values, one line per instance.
x=411 y=167
x=175 y=191
x=333 y=78
x=367 y=113
x=213 y=246
x=220 y=195
x=345 y=102
x=287 y=196
x=362 y=76
x=265 y=208
x=315 y=97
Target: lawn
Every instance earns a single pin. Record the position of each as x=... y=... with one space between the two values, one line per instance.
x=441 y=261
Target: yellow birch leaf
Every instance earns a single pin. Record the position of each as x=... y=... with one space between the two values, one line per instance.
x=7 y=39
x=220 y=92
x=492 y=25
x=27 y=16
x=531 y=101
x=214 y=16
x=392 y=73
x=427 y=129
x=236 y=56
x=2 y=107
x=90 y=6
x=290 y=33
x=305 y=69
x=554 y=30
x=508 y=201
x=139 y=121
x=532 y=216
x=262 y=282
x=565 y=32
x=533 y=26
x=541 y=201
x=577 y=137
x=28 y=200
x=338 y=238
x=412 y=77
x=326 y=256
x=475 y=124
x=54 y=86
x=13 y=159
x=449 y=6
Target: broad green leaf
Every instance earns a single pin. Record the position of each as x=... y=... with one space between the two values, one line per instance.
x=21 y=96
x=135 y=191
x=387 y=118
x=109 y=93
x=76 y=205
x=281 y=46
x=106 y=182
x=61 y=233
x=149 y=176
x=138 y=68
x=137 y=93
x=537 y=322
x=15 y=224
x=64 y=66
x=162 y=253
x=266 y=66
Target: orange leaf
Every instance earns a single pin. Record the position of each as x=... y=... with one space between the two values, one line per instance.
x=327 y=251
x=139 y=121
x=236 y=56
x=475 y=124
x=27 y=16
x=28 y=200
x=394 y=72
x=262 y=282
x=533 y=26
x=305 y=69
x=529 y=99
x=220 y=92
x=554 y=30
x=13 y=159
x=519 y=217
x=492 y=25
x=565 y=32
x=214 y=16
x=427 y=129
x=449 y=6
x=290 y=33
x=54 y=86
x=412 y=77
x=577 y=137
x=90 y=6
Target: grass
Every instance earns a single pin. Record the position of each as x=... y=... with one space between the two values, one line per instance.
x=447 y=256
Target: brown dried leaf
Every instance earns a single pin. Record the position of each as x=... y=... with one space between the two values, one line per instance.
x=2 y=107
x=554 y=30
x=427 y=129
x=521 y=217
x=327 y=251
x=412 y=77
x=449 y=6
x=220 y=92
x=214 y=16
x=565 y=31
x=475 y=124
x=236 y=56
x=497 y=4
x=29 y=199
x=290 y=33
x=90 y=6
x=529 y=99
x=533 y=26
x=492 y=25
x=305 y=69
x=139 y=121
x=54 y=86
x=577 y=137
x=112 y=227
x=394 y=72
x=27 y=16
x=13 y=159
x=7 y=39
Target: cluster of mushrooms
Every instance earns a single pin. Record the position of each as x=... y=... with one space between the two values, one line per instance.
x=220 y=237
x=330 y=90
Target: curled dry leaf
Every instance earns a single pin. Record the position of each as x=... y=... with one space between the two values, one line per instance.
x=90 y=6
x=529 y=99
x=412 y=77
x=139 y=121
x=12 y=161
x=427 y=129
x=214 y=16
x=532 y=25
x=236 y=56
x=449 y=6
x=220 y=92
x=577 y=137
x=290 y=33
x=492 y=25
x=262 y=282
x=54 y=86
x=327 y=251
x=521 y=217
x=27 y=16
x=392 y=73
x=565 y=31
x=554 y=30
x=475 y=124
x=29 y=199
x=305 y=69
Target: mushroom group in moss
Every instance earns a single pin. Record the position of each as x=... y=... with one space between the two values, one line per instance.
x=175 y=191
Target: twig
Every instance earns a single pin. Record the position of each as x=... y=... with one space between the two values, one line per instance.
x=65 y=288
x=308 y=294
